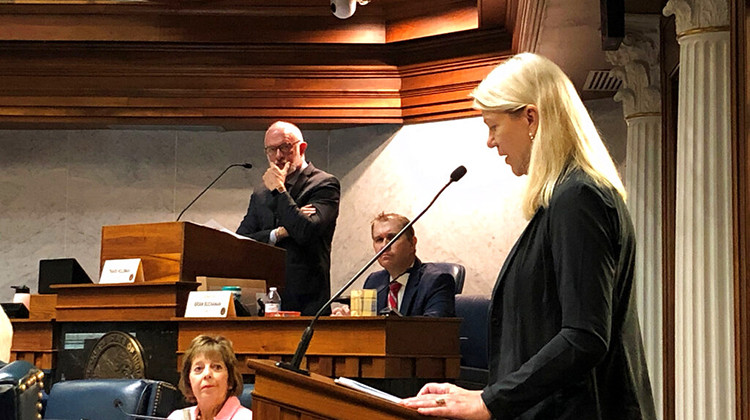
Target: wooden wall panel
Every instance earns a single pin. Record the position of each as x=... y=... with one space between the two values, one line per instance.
x=240 y=67
x=198 y=29
x=740 y=68
x=447 y=17
x=439 y=91
x=494 y=14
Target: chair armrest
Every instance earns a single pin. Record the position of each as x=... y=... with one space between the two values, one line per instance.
x=21 y=385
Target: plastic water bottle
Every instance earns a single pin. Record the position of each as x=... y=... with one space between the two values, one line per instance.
x=273 y=302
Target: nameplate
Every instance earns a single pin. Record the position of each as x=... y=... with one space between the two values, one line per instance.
x=122 y=271
x=214 y=304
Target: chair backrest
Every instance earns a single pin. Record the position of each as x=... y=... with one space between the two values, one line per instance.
x=458 y=272
x=246 y=399
x=474 y=309
x=98 y=399
x=21 y=383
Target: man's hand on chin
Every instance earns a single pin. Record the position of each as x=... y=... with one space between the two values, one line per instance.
x=274 y=177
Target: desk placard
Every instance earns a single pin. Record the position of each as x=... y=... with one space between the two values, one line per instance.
x=122 y=271
x=214 y=304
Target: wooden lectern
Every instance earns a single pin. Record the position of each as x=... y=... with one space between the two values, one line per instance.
x=180 y=251
x=172 y=254
x=282 y=394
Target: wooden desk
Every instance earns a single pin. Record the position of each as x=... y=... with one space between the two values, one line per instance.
x=365 y=347
x=34 y=341
x=368 y=347
x=148 y=301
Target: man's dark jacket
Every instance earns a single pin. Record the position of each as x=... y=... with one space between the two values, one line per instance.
x=308 y=247
x=429 y=291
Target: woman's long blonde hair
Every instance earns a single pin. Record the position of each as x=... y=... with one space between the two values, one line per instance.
x=566 y=137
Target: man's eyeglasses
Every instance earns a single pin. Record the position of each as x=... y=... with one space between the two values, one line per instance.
x=284 y=148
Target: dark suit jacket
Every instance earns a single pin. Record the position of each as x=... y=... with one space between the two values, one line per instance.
x=429 y=292
x=308 y=247
x=565 y=342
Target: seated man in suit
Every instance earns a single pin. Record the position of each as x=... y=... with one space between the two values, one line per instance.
x=407 y=285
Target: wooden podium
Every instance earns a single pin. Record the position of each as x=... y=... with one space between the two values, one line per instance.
x=180 y=251
x=282 y=394
x=173 y=254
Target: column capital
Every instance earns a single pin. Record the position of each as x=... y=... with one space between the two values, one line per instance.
x=696 y=15
x=636 y=63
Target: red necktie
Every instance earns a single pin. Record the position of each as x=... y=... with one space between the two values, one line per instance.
x=393 y=294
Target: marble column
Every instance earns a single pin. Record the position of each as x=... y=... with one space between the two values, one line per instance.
x=704 y=305
x=637 y=65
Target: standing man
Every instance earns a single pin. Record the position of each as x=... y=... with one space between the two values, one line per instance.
x=295 y=209
x=406 y=284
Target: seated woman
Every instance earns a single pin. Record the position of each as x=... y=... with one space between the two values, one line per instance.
x=210 y=378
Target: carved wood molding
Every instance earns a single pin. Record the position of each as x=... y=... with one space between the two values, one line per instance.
x=243 y=86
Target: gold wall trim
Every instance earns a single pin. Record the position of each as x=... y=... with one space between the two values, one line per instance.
x=708 y=29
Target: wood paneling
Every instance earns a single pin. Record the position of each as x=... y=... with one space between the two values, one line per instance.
x=740 y=68
x=370 y=347
x=493 y=14
x=443 y=18
x=34 y=341
x=241 y=65
x=145 y=301
x=669 y=62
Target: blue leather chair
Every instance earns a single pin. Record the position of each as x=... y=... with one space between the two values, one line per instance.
x=458 y=272
x=246 y=399
x=21 y=385
x=474 y=309
x=110 y=399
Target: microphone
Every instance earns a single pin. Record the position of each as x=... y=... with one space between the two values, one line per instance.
x=457 y=174
x=244 y=165
x=304 y=342
x=118 y=404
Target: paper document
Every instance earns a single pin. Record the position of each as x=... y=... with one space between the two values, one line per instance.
x=350 y=383
x=216 y=225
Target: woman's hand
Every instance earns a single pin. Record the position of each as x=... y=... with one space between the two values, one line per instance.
x=448 y=400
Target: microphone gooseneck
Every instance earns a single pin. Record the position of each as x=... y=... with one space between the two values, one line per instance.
x=304 y=342
x=245 y=165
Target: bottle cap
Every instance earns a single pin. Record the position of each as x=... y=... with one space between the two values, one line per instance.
x=236 y=290
x=271 y=288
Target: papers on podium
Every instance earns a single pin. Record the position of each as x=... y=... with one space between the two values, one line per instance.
x=350 y=383
x=213 y=224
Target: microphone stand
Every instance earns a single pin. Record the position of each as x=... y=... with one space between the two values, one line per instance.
x=244 y=165
x=304 y=343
